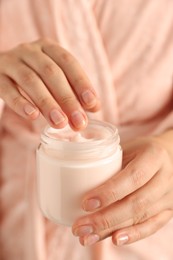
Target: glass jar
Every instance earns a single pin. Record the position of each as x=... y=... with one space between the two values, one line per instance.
x=69 y=164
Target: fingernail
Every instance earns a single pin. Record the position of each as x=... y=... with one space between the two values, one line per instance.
x=78 y=119
x=91 y=204
x=89 y=98
x=91 y=239
x=122 y=240
x=83 y=231
x=56 y=116
x=29 y=109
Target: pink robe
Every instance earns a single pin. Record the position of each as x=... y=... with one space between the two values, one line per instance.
x=126 y=47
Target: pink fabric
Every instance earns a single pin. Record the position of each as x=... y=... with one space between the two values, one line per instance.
x=126 y=47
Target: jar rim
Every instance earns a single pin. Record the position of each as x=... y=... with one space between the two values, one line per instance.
x=112 y=136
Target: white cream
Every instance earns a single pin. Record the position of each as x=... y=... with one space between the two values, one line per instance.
x=70 y=164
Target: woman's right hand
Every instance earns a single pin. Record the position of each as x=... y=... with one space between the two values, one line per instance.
x=43 y=77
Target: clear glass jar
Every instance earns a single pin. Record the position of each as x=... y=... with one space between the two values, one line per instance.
x=69 y=164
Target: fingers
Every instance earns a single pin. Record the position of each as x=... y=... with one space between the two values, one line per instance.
x=136 y=174
x=53 y=80
x=143 y=230
x=127 y=232
x=39 y=94
x=75 y=75
x=129 y=211
x=15 y=100
x=56 y=82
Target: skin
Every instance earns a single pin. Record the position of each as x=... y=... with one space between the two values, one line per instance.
x=43 y=77
x=137 y=201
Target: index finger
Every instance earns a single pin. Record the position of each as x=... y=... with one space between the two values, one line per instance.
x=76 y=76
x=137 y=173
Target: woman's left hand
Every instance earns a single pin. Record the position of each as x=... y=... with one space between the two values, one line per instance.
x=137 y=201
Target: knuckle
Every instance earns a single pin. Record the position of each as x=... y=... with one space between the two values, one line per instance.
x=143 y=217
x=67 y=100
x=44 y=102
x=49 y=70
x=28 y=78
x=79 y=81
x=111 y=194
x=105 y=221
x=139 y=205
x=137 y=177
x=66 y=57
x=49 y=45
x=101 y=222
x=137 y=234
x=16 y=102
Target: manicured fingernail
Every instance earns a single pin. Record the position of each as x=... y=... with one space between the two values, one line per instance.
x=89 y=98
x=78 y=119
x=83 y=231
x=91 y=239
x=91 y=204
x=122 y=240
x=29 y=109
x=56 y=116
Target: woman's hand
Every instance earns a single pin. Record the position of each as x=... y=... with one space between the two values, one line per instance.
x=137 y=201
x=42 y=76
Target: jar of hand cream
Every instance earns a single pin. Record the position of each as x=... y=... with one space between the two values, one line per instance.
x=72 y=163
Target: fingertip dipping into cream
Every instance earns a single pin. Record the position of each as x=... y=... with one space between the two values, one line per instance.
x=78 y=120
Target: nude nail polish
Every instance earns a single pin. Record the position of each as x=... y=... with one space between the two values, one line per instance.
x=29 y=109
x=78 y=119
x=91 y=204
x=122 y=239
x=56 y=116
x=91 y=239
x=89 y=98
x=83 y=231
